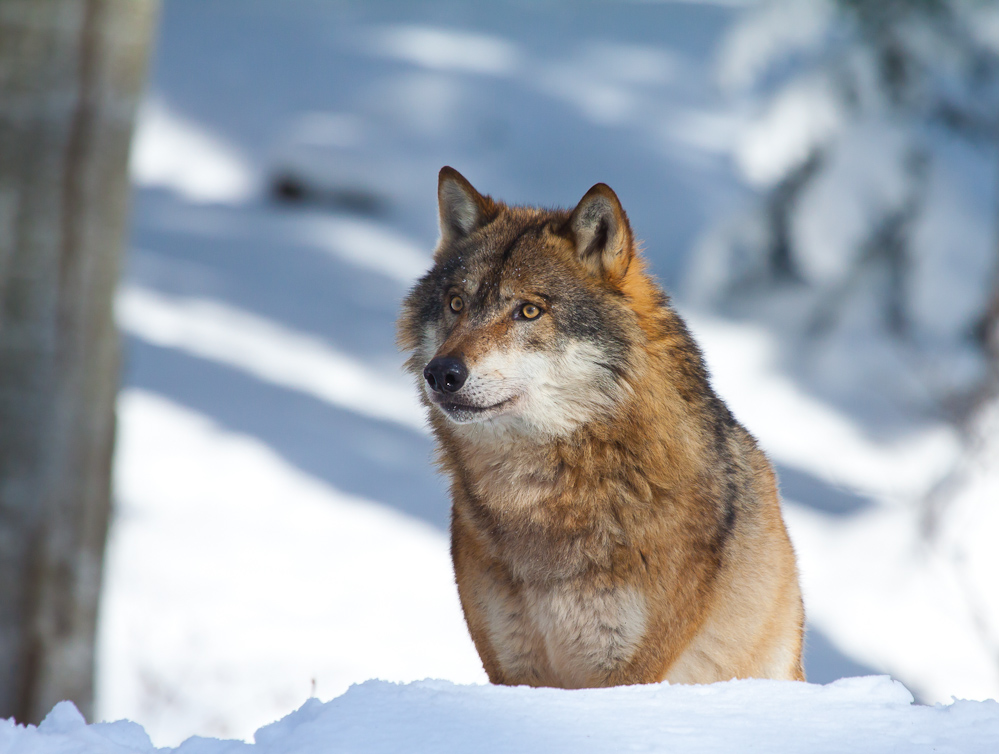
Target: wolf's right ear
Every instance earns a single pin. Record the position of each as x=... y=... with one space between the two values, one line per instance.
x=462 y=209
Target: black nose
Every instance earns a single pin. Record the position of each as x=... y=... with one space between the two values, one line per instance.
x=445 y=374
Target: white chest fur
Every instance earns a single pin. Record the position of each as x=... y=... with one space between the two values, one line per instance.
x=584 y=631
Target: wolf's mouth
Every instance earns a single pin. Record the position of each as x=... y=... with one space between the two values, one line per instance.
x=467 y=412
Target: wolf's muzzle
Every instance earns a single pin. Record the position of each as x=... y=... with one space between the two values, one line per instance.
x=445 y=374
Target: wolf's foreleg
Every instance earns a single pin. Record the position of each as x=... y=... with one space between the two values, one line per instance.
x=511 y=649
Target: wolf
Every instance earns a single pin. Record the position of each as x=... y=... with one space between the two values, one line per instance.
x=611 y=522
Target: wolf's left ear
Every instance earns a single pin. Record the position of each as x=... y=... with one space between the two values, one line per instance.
x=602 y=234
x=462 y=209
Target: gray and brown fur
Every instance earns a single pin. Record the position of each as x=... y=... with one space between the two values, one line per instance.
x=612 y=523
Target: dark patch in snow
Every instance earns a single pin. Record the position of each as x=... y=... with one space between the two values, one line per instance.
x=818 y=494
x=825 y=662
x=291 y=189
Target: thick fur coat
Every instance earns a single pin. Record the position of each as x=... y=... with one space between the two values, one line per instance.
x=612 y=523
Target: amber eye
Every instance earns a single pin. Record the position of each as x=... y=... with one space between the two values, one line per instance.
x=457 y=304
x=529 y=311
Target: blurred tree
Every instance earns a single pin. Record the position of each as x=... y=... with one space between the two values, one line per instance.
x=860 y=103
x=71 y=72
x=875 y=144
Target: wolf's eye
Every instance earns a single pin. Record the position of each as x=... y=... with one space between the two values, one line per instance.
x=457 y=304
x=529 y=311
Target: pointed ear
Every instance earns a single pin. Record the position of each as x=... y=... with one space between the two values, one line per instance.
x=462 y=209
x=599 y=227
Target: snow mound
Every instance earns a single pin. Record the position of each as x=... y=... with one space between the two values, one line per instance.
x=871 y=714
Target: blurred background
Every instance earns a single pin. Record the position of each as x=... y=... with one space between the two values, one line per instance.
x=815 y=182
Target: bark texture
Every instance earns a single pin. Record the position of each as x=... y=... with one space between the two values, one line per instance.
x=71 y=72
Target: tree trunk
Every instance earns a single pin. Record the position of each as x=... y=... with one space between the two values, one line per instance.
x=71 y=73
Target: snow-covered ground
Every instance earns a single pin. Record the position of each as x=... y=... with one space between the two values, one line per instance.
x=280 y=533
x=857 y=715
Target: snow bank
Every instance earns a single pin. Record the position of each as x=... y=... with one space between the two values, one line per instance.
x=871 y=714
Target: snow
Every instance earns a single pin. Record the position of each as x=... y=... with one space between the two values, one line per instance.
x=800 y=118
x=745 y=365
x=267 y=351
x=872 y=714
x=172 y=152
x=237 y=585
x=280 y=533
x=776 y=30
x=446 y=50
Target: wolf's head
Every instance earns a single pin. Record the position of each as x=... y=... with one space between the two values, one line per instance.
x=527 y=320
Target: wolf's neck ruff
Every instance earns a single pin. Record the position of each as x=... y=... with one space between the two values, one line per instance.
x=612 y=522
